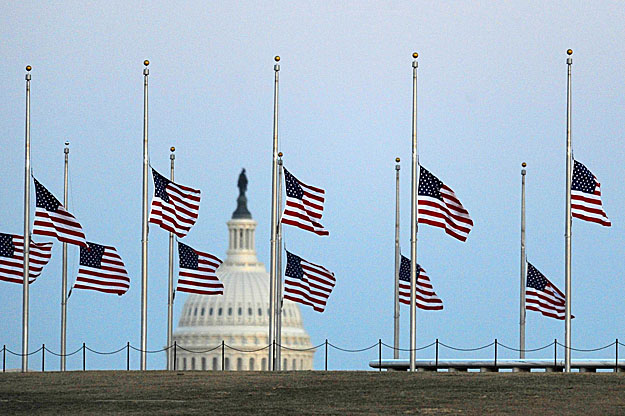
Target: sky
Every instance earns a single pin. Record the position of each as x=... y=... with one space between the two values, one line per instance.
x=491 y=95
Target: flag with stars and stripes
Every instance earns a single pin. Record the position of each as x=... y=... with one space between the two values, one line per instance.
x=304 y=205
x=425 y=296
x=586 y=196
x=197 y=273
x=102 y=269
x=543 y=296
x=307 y=283
x=12 y=258
x=175 y=207
x=53 y=220
x=439 y=206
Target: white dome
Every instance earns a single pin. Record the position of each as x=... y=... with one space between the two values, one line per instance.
x=239 y=317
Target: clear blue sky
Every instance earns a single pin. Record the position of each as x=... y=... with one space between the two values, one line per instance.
x=492 y=94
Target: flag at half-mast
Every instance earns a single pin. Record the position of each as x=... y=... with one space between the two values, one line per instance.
x=586 y=196
x=197 y=273
x=543 y=296
x=304 y=205
x=175 y=207
x=438 y=206
x=12 y=258
x=307 y=283
x=102 y=269
x=425 y=296
x=53 y=220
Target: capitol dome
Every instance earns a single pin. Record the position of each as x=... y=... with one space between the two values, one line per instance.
x=239 y=317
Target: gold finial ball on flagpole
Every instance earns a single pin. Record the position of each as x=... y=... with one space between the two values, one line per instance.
x=524 y=164
x=28 y=67
x=397 y=159
x=280 y=154
x=415 y=55
x=146 y=62
x=172 y=149
x=276 y=58
x=569 y=52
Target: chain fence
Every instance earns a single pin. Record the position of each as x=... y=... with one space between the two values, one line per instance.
x=327 y=345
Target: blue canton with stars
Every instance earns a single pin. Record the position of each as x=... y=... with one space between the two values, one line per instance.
x=44 y=199
x=404 y=269
x=92 y=256
x=7 y=248
x=536 y=279
x=160 y=183
x=187 y=256
x=429 y=185
x=292 y=186
x=583 y=179
x=294 y=266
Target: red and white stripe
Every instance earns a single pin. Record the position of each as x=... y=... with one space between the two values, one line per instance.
x=12 y=268
x=550 y=302
x=204 y=280
x=425 y=296
x=60 y=224
x=314 y=289
x=180 y=213
x=588 y=207
x=448 y=214
x=112 y=277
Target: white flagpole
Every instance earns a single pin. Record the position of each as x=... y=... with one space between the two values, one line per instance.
x=274 y=219
x=522 y=312
x=144 y=223
x=413 y=219
x=397 y=265
x=64 y=267
x=568 y=219
x=278 y=299
x=170 y=288
x=26 y=228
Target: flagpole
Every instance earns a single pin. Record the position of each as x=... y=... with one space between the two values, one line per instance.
x=274 y=218
x=170 y=288
x=144 y=223
x=26 y=287
x=568 y=219
x=522 y=312
x=278 y=299
x=397 y=263
x=64 y=267
x=413 y=220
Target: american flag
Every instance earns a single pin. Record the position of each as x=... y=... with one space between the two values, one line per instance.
x=304 y=205
x=307 y=283
x=51 y=219
x=425 y=295
x=586 y=196
x=439 y=206
x=543 y=296
x=12 y=258
x=102 y=269
x=197 y=272
x=175 y=207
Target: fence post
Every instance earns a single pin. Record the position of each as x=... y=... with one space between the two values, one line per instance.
x=380 y=353
x=326 y=354
x=436 y=354
x=4 y=357
x=555 y=354
x=495 y=352
x=128 y=356
x=223 y=355
x=43 y=358
x=616 y=360
x=175 y=345
x=84 y=357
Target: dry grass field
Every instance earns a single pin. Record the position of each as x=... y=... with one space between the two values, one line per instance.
x=322 y=393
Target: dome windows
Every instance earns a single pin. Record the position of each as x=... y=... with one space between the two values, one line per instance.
x=219 y=311
x=229 y=311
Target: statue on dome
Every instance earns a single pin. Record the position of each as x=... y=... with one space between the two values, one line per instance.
x=242 y=212
x=242 y=183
